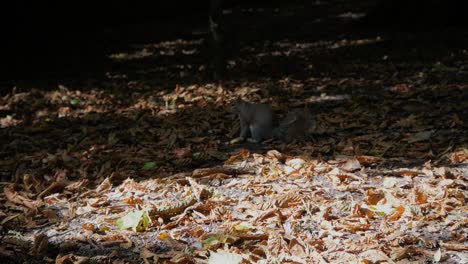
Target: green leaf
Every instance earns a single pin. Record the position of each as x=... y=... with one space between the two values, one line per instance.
x=444 y=68
x=151 y=165
x=74 y=101
x=135 y=221
x=420 y=136
x=373 y=152
x=243 y=227
x=211 y=242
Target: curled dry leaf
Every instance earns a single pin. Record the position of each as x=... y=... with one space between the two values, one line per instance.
x=53 y=187
x=133 y=201
x=397 y=214
x=276 y=155
x=453 y=246
x=363 y=212
x=276 y=245
x=198 y=173
x=297 y=249
x=77 y=185
x=16 y=198
x=104 y=186
x=406 y=172
x=373 y=197
x=368 y=160
x=459 y=156
x=357 y=227
x=183 y=152
x=420 y=197
x=88 y=227
x=127 y=244
x=243 y=154
x=148 y=256
x=351 y=165
x=296 y=163
x=399 y=253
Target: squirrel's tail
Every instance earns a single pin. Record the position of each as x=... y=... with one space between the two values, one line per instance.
x=280 y=132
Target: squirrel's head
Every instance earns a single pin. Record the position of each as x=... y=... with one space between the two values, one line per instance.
x=238 y=104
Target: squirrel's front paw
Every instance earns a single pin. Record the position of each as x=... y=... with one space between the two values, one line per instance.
x=252 y=140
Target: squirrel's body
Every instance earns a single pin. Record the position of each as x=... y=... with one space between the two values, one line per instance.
x=256 y=120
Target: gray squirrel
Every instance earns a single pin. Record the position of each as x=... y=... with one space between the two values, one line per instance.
x=258 y=121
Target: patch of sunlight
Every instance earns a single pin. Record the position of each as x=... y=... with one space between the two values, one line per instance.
x=164 y=48
x=288 y=47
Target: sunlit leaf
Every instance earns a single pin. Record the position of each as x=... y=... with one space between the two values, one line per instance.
x=437 y=255
x=241 y=155
x=134 y=221
x=390 y=182
x=296 y=163
x=222 y=257
x=383 y=209
x=351 y=165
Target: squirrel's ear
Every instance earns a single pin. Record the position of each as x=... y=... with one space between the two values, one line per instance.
x=237 y=103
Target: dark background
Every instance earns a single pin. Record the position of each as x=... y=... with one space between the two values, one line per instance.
x=43 y=38
x=37 y=36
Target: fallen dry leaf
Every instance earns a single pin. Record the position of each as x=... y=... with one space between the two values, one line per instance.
x=351 y=165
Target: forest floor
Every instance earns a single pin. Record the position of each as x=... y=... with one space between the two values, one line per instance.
x=136 y=164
